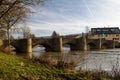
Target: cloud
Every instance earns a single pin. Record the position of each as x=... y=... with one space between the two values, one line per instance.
x=65 y=16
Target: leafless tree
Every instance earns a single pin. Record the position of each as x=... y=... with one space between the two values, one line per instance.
x=7 y=5
x=11 y=18
x=87 y=29
x=26 y=31
x=12 y=12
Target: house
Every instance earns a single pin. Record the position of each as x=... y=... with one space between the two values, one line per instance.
x=108 y=33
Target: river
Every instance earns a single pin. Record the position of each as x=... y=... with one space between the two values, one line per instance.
x=86 y=60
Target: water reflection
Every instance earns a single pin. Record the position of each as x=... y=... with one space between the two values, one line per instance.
x=66 y=48
x=101 y=60
x=38 y=51
x=38 y=48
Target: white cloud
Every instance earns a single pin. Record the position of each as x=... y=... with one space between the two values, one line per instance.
x=71 y=17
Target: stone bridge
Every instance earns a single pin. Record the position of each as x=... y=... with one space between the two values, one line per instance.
x=100 y=44
x=56 y=44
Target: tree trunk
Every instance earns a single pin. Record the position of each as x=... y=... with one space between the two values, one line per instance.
x=8 y=35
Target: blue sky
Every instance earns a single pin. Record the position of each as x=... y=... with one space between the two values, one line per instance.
x=72 y=16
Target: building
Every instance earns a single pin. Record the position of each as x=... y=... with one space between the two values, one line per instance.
x=108 y=33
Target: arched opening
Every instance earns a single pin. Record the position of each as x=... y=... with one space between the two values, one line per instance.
x=37 y=50
x=105 y=46
x=42 y=47
x=91 y=46
x=12 y=49
x=65 y=48
x=117 y=45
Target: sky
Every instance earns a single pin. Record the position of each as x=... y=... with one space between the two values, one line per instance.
x=72 y=16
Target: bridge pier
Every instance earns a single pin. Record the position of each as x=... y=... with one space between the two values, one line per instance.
x=57 y=44
x=99 y=45
x=83 y=44
x=23 y=45
x=80 y=45
x=29 y=45
x=113 y=44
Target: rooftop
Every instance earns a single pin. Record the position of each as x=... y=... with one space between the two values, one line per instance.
x=106 y=30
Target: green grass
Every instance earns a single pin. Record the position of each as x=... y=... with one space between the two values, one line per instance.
x=13 y=67
x=17 y=68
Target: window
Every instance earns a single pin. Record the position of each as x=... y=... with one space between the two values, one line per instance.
x=117 y=35
x=115 y=38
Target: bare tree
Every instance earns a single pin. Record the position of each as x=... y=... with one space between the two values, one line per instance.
x=12 y=12
x=88 y=33
x=12 y=3
x=2 y=34
x=15 y=15
x=87 y=29
x=26 y=31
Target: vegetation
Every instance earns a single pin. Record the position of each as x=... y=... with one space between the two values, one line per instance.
x=17 y=68
x=12 y=12
x=26 y=31
x=13 y=67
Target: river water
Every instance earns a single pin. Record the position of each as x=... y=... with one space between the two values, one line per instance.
x=87 y=60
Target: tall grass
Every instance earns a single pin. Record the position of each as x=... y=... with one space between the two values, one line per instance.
x=61 y=61
x=68 y=62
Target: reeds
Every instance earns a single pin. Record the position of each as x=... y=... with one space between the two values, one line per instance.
x=67 y=63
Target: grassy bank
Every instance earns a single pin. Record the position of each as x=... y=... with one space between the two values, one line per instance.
x=13 y=67
x=16 y=68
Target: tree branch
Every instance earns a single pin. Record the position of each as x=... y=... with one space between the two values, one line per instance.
x=8 y=9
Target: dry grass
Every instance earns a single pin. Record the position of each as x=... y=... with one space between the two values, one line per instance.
x=67 y=63
x=61 y=61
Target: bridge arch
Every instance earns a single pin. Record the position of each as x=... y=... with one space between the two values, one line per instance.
x=14 y=48
x=38 y=48
x=66 y=47
x=72 y=46
x=45 y=45
x=105 y=45
x=91 y=45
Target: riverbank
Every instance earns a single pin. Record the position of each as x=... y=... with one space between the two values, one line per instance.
x=18 y=68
